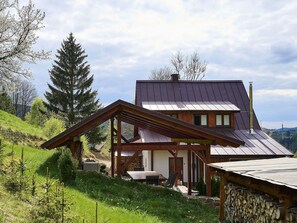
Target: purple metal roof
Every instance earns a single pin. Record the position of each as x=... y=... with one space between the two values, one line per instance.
x=167 y=93
x=265 y=146
x=198 y=91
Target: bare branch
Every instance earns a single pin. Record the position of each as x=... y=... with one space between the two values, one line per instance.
x=163 y=73
x=177 y=61
x=194 y=68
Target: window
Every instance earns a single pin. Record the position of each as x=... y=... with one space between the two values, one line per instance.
x=200 y=120
x=222 y=120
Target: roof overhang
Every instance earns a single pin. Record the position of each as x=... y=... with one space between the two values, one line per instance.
x=142 y=118
x=224 y=106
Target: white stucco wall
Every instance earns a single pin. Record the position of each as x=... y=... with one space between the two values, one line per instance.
x=161 y=163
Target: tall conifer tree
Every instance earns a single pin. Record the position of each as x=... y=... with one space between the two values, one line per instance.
x=71 y=95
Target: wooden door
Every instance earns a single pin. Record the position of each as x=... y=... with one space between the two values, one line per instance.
x=180 y=167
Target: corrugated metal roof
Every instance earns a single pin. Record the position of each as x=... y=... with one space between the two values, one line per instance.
x=198 y=91
x=187 y=92
x=190 y=106
x=280 y=171
x=257 y=144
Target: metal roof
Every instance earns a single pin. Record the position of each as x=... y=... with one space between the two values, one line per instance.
x=256 y=144
x=232 y=91
x=190 y=106
x=280 y=171
x=141 y=118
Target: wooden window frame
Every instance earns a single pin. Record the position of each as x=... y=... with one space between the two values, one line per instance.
x=222 y=118
x=195 y=115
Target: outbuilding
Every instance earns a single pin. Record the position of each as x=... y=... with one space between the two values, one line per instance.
x=258 y=190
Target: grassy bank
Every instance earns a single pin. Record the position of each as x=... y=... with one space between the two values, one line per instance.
x=118 y=200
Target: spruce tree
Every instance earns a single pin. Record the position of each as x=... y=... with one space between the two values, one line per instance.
x=70 y=95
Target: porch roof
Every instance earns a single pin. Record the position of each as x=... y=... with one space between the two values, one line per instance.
x=142 y=118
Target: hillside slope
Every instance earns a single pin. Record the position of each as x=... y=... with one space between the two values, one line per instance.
x=118 y=200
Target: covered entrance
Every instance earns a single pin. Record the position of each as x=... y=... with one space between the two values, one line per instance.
x=183 y=136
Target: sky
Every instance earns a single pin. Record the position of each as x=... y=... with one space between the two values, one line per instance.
x=124 y=40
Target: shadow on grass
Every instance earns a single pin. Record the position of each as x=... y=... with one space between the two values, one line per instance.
x=52 y=164
x=166 y=204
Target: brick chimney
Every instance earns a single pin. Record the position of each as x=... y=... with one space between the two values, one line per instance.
x=174 y=77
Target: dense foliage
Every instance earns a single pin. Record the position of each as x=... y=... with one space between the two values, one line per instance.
x=67 y=166
x=6 y=103
x=37 y=114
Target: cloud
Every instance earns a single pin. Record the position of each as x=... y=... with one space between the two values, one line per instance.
x=276 y=93
x=125 y=40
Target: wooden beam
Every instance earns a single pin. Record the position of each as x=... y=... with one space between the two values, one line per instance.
x=199 y=141
x=159 y=146
x=112 y=145
x=200 y=154
x=189 y=172
x=122 y=137
x=222 y=198
x=175 y=165
x=131 y=159
x=208 y=172
x=119 y=144
x=152 y=160
x=171 y=152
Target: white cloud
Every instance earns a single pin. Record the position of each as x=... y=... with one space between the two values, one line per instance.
x=246 y=40
x=276 y=93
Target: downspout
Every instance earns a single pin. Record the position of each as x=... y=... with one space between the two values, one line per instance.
x=251 y=129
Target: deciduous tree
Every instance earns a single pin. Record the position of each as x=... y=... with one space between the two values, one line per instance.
x=187 y=67
x=23 y=95
x=18 y=27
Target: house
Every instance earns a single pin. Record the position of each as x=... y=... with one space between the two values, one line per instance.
x=184 y=137
x=179 y=126
x=222 y=106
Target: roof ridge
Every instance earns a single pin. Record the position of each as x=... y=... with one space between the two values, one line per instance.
x=189 y=81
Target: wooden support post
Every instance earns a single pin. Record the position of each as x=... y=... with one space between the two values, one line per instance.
x=222 y=198
x=152 y=160
x=112 y=145
x=189 y=173
x=175 y=166
x=119 y=143
x=193 y=167
x=208 y=171
x=72 y=148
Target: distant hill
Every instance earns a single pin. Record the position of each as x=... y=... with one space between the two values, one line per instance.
x=285 y=136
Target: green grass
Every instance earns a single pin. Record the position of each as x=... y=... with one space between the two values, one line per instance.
x=10 y=121
x=118 y=200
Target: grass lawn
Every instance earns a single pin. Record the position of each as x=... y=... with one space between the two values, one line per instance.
x=118 y=200
x=10 y=121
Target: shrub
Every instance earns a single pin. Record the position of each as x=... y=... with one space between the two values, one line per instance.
x=67 y=166
x=215 y=187
x=37 y=114
x=53 y=127
x=201 y=187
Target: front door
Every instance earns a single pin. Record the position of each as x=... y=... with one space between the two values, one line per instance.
x=180 y=165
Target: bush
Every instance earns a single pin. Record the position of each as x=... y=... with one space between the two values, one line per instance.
x=53 y=127
x=67 y=166
x=37 y=114
x=201 y=187
x=215 y=187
